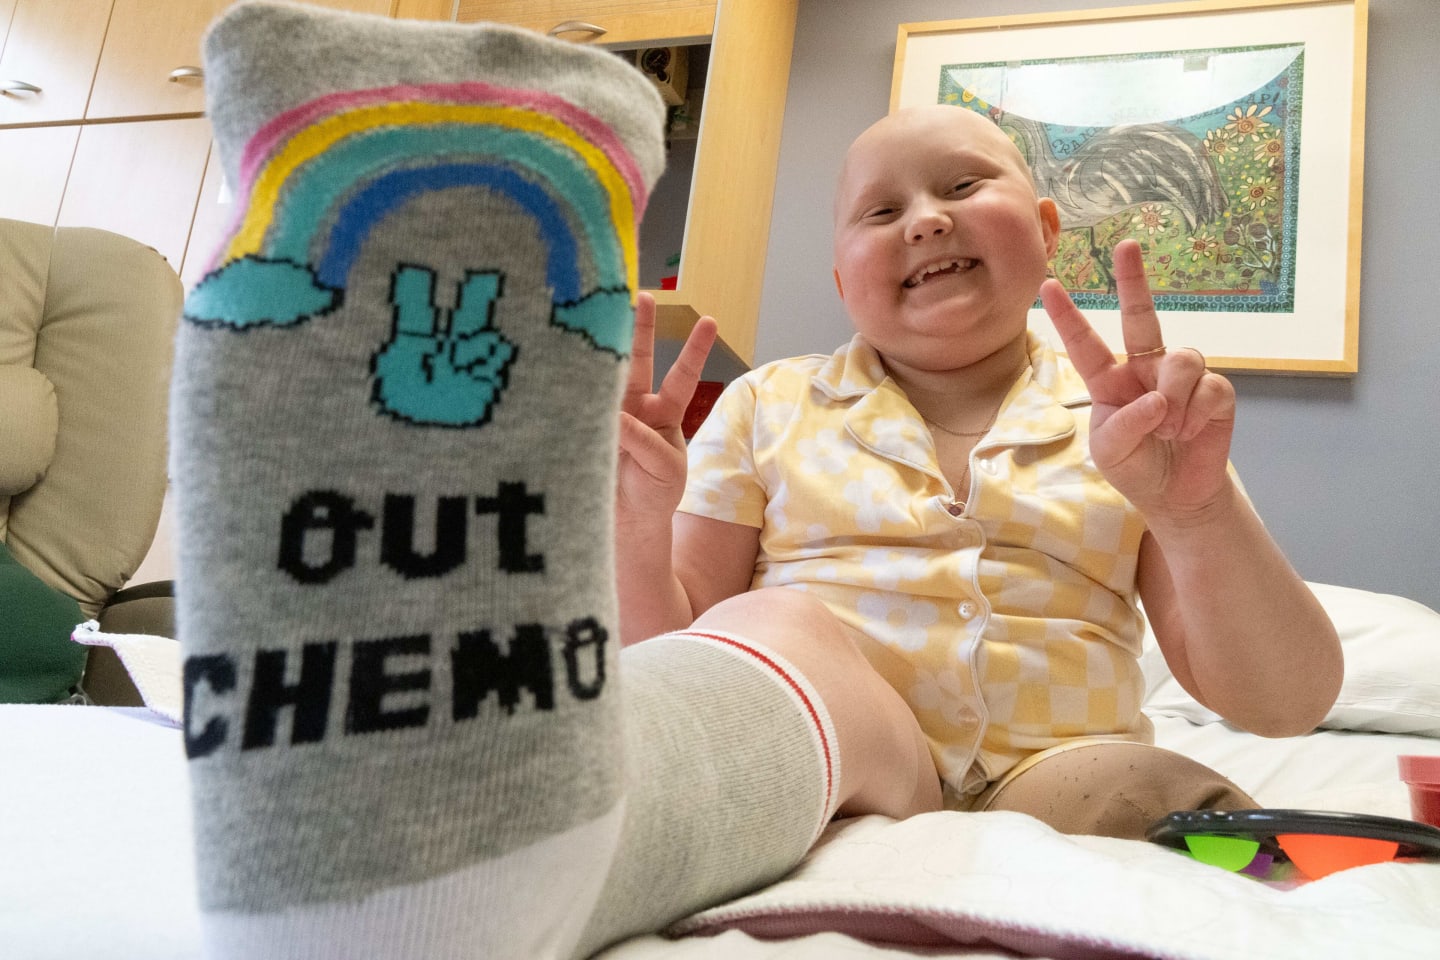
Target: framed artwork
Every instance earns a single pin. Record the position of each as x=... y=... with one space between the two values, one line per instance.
x=1226 y=136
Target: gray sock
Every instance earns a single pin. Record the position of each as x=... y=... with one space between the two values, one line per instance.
x=732 y=771
x=393 y=445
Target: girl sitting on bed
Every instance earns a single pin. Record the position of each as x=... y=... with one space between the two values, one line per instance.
x=897 y=578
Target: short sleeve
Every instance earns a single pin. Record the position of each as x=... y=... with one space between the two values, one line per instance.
x=723 y=483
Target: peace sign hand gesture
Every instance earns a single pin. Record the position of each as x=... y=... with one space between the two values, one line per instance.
x=651 y=476
x=1161 y=423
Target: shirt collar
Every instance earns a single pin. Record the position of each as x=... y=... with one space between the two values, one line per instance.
x=881 y=418
x=851 y=372
x=856 y=370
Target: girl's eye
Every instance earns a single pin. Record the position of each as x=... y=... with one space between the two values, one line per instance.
x=963 y=185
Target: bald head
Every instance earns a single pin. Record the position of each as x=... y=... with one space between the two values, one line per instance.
x=928 y=123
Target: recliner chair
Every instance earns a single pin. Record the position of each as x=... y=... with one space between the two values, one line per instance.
x=87 y=323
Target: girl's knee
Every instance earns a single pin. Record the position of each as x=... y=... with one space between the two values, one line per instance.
x=886 y=766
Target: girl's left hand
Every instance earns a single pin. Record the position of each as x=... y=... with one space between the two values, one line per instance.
x=1161 y=423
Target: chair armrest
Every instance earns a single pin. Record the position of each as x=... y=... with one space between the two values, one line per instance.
x=147 y=608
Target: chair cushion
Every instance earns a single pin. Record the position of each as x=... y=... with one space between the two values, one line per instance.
x=27 y=397
x=38 y=661
x=89 y=316
x=28 y=429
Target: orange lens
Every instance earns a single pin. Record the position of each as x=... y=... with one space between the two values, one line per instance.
x=1319 y=856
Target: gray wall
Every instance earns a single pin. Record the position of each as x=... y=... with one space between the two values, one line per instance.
x=1341 y=469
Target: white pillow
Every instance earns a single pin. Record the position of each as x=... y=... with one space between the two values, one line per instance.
x=1392 y=666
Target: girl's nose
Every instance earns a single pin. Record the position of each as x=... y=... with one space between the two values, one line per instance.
x=928 y=221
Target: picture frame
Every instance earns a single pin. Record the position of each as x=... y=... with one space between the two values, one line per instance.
x=1227 y=136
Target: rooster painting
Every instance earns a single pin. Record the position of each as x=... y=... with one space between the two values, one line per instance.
x=1195 y=152
x=1117 y=169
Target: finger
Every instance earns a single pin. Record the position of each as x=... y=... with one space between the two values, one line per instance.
x=1179 y=372
x=1087 y=349
x=1128 y=427
x=650 y=451
x=1139 y=324
x=413 y=294
x=477 y=299
x=679 y=384
x=1212 y=403
x=642 y=349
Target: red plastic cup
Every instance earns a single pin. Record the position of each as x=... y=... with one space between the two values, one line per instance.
x=1422 y=774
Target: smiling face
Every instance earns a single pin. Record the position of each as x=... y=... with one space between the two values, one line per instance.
x=940 y=241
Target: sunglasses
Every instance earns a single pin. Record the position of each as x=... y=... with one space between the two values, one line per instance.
x=1318 y=843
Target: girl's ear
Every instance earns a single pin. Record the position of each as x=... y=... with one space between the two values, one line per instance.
x=1049 y=224
x=841 y=288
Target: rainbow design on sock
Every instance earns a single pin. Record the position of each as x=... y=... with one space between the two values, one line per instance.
x=318 y=179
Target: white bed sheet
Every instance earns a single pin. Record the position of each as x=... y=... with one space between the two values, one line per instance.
x=95 y=861
x=95 y=851
x=1325 y=770
x=1081 y=897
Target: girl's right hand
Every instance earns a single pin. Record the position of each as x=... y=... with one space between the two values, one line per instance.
x=652 y=448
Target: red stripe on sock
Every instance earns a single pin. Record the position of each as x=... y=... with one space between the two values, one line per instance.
x=799 y=692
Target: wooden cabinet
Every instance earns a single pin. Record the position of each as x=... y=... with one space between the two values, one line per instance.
x=33 y=164
x=614 y=23
x=727 y=228
x=140 y=179
x=7 y=9
x=727 y=224
x=150 y=65
x=113 y=136
x=104 y=68
x=213 y=213
x=49 y=59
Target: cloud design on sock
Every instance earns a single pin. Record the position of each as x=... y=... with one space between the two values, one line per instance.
x=254 y=291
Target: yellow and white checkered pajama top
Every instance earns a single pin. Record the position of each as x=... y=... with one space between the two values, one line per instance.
x=1009 y=626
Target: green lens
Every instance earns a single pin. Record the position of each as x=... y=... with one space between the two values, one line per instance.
x=1229 y=853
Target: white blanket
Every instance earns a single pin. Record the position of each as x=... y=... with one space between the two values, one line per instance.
x=995 y=885
x=1006 y=880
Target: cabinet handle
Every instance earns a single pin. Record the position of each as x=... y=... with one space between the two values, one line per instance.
x=578 y=26
x=186 y=73
x=17 y=86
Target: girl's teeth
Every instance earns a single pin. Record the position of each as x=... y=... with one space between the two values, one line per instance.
x=921 y=275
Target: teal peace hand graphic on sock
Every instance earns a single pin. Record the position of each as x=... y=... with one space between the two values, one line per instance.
x=445 y=374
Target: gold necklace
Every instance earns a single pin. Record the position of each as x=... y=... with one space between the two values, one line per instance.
x=964 y=435
x=957 y=507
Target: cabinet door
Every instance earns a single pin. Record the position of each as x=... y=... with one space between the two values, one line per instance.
x=52 y=45
x=34 y=162
x=7 y=10
x=146 y=43
x=620 y=22
x=378 y=7
x=151 y=62
x=212 y=215
x=140 y=179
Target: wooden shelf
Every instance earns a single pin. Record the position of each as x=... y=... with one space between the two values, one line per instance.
x=727 y=222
